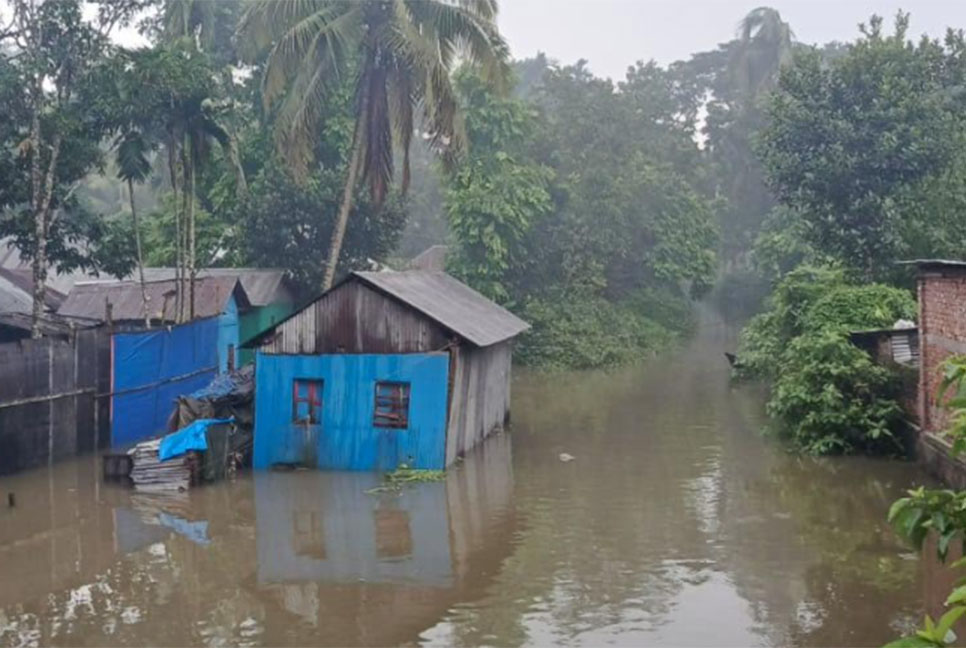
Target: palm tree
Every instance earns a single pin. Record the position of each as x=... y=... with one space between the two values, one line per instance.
x=398 y=55
x=193 y=121
x=765 y=43
x=133 y=166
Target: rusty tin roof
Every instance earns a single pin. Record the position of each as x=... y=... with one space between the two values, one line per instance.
x=88 y=300
x=449 y=302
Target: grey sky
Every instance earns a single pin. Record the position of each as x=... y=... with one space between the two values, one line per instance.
x=612 y=34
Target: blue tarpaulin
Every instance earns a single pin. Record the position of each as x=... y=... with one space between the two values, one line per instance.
x=192 y=437
x=151 y=369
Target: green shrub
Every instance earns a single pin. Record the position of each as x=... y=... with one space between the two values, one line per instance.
x=853 y=308
x=832 y=399
x=587 y=334
x=769 y=332
x=827 y=396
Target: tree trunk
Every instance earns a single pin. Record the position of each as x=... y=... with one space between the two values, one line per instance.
x=137 y=244
x=173 y=172
x=241 y=184
x=187 y=195
x=192 y=239
x=40 y=261
x=41 y=231
x=335 y=247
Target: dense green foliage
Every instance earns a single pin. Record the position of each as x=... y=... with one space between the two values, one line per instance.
x=572 y=226
x=862 y=145
x=828 y=396
x=864 y=152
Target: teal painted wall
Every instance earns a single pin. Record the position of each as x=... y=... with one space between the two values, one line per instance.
x=257 y=320
x=347 y=439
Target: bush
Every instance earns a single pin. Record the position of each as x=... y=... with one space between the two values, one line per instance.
x=768 y=333
x=832 y=399
x=828 y=396
x=853 y=308
x=587 y=334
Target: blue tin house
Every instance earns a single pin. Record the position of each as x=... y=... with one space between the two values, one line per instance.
x=385 y=368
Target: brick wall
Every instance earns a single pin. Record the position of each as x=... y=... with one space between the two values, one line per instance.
x=942 y=332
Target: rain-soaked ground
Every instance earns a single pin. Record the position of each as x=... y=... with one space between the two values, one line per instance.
x=675 y=524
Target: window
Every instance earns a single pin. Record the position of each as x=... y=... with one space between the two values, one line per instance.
x=392 y=405
x=307 y=401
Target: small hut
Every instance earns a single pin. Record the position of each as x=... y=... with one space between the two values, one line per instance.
x=386 y=368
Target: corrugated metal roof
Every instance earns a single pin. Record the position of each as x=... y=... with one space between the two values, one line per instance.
x=452 y=304
x=50 y=324
x=88 y=300
x=24 y=279
x=62 y=282
x=262 y=286
x=934 y=263
x=13 y=299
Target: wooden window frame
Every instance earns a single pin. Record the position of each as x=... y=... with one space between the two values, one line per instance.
x=315 y=388
x=391 y=411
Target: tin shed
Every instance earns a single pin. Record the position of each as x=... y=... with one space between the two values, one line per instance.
x=386 y=368
x=224 y=298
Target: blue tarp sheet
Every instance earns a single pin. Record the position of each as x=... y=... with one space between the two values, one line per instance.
x=151 y=369
x=192 y=437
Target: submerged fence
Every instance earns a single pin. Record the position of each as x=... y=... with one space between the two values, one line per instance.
x=54 y=398
x=97 y=389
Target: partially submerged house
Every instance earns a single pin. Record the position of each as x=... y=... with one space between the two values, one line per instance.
x=941 y=286
x=121 y=303
x=387 y=368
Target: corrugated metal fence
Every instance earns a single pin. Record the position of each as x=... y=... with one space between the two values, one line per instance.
x=54 y=398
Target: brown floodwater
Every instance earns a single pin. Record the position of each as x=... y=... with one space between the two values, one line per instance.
x=676 y=523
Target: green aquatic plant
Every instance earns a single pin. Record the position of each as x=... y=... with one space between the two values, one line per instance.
x=395 y=480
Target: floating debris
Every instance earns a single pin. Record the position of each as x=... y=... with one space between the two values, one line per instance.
x=566 y=458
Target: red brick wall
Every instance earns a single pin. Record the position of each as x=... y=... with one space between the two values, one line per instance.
x=942 y=332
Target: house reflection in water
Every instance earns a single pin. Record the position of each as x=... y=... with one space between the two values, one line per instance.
x=340 y=558
x=290 y=559
x=323 y=526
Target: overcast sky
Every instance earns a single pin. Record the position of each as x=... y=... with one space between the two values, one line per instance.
x=612 y=34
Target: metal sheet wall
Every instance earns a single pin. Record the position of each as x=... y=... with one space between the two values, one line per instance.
x=53 y=400
x=480 y=398
x=346 y=438
x=354 y=318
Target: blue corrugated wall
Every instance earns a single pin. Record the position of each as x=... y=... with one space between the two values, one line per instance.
x=346 y=439
x=229 y=331
x=150 y=369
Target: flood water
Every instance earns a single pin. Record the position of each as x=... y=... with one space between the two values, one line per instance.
x=675 y=524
